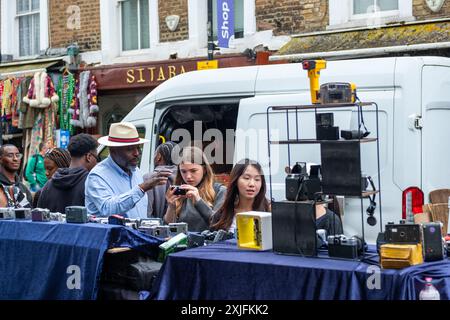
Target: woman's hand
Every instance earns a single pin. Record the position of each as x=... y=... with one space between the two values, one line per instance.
x=171 y=198
x=192 y=192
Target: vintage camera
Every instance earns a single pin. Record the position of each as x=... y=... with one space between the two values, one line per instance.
x=339 y=246
x=22 y=213
x=149 y=222
x=176 y=228
x=338 y=92
x=216 y=236
x=354 y=134
x=7 y=214
x=325 y=129
x=156 y=231
x=40 y=215
x=403 y=233
x=76 y=214
x=300 y=186
x=178 y=191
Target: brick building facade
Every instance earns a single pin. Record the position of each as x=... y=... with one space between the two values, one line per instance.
x=174 y=7
x=75 y=21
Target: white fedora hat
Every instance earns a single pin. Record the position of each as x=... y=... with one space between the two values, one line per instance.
x=122 y=134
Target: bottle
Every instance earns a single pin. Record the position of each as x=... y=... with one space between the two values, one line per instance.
x=429 y=292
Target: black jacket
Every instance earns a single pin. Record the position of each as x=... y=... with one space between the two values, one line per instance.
x=23 y=189
x=66 y=188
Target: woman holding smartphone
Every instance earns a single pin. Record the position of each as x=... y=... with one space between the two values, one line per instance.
x=202 y=196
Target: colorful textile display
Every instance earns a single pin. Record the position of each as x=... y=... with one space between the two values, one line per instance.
x=41 y=92
x=86 y=108
x=93 y=104
x=66 y=91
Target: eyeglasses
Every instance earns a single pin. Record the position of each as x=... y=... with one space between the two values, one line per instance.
x=12 y=155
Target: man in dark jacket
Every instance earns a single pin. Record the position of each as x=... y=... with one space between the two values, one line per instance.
x=157 y=203
x=13 y=193
x=66 y=188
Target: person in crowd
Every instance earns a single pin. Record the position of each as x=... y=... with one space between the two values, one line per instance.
x=202 y=196
x=328 y=220
x=13 y=193
x=157 y=204
x=35 y=170
x=66 y=188
x=54 y=159
x=116 y=186
x=246 y=192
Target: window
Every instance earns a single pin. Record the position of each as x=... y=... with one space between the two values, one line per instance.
x=135 y=24
x=368 y=13
x=238 y=19
x=374 y=6
x=27 y=13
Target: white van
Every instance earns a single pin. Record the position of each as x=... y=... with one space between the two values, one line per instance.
x=413 y=95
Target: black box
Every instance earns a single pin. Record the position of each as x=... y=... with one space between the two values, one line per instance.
x=341 y=168
x=294 y=228
x=327 y=133
x=433 y=246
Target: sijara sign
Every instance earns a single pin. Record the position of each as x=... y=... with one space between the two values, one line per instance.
x=225 y=22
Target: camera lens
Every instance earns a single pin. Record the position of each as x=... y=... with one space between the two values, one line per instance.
x=402 y=234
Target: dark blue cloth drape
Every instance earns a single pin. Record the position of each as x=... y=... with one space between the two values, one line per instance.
x=46 y=260
x=221 y=271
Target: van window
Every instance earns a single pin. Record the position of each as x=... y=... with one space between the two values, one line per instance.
x=210 y=126
x=105 y=152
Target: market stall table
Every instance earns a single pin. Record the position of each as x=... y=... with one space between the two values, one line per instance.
x=223 y=272
x=59 y=261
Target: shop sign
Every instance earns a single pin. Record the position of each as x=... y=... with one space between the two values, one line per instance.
x=153 y=74
x=209 y=64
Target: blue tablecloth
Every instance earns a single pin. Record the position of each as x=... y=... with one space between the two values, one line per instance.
x=58 y=260
x=222 y=271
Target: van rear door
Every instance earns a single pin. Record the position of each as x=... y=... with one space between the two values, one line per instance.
x=436 y=128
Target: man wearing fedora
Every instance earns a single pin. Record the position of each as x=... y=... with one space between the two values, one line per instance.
x=116 y=185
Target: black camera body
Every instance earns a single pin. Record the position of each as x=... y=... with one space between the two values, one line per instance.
x=325 y=129
x=403 y=233
x=178 y=191
x=339 y=246
x=353 y=134
x=300 y=186
x=22 y=213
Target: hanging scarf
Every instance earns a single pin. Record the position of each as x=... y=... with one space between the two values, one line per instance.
x=66 y=90
x=93 y=104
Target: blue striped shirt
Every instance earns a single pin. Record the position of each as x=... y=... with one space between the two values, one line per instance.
x=109 y=190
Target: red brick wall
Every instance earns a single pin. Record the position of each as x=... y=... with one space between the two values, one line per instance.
x=88 y=36
x=173 y=7
x=422 y=12
x=291 y=17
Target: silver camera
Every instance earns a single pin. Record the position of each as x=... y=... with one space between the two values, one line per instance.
x=7 y=214
x=177 y=228
x=40 y=215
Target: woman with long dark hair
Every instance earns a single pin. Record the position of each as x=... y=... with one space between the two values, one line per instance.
x=246 y=192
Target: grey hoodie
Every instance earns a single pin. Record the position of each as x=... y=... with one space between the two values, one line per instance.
x=157 y=203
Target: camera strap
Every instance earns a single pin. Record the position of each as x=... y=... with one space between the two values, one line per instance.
x=371 y=220
x=360 y=110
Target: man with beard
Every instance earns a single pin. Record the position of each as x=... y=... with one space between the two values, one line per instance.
x=13 y=193
x=66 y=188
x=116 y=186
